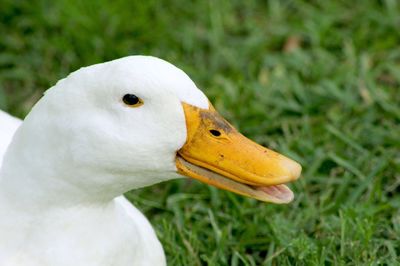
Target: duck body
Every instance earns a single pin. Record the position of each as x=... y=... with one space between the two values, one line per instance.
x=115 y=233
x=70 y=161
x=100 y=132
x=106 y=233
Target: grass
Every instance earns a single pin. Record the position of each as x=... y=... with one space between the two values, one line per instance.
x=316 y=80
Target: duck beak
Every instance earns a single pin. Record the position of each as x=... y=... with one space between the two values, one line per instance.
x=217 y=154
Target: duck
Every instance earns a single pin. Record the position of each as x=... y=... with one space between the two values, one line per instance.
x=107 y=129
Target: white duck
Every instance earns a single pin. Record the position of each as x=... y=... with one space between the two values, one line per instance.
x=107 y=129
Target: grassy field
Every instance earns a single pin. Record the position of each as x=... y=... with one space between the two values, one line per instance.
x=318 y=81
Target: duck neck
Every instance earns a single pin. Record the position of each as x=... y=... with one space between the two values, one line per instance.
x=30 y=182
x=39 y=172
x=28 y=190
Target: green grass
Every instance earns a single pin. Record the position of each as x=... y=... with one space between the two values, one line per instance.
x=318 y=81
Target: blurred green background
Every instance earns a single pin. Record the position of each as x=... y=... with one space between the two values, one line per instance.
x=315 y=80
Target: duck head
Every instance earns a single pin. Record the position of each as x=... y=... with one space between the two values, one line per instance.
x=136 y=121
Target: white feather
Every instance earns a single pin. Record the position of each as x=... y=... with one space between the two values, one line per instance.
x=8 y=126
x=78 y=151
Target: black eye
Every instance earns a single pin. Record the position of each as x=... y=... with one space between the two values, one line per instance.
x=132 y=100
x=215 y=133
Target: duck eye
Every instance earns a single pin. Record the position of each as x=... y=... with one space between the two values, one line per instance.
x=132 y=100
x=215 y=133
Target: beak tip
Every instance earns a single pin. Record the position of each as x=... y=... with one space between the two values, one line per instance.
x=294 y=169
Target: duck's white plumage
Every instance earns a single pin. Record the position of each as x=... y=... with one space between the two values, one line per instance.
x=8 y=126
x=77 y=151
x=83 y=145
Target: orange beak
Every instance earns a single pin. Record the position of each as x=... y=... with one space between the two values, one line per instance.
x=217 y=154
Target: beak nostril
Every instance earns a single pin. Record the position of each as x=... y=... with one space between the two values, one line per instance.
x=215 y=133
